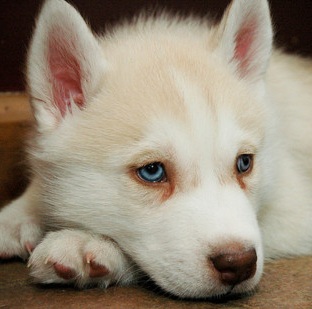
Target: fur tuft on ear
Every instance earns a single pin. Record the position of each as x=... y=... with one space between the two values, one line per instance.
x=245 y=37
x=65 y=64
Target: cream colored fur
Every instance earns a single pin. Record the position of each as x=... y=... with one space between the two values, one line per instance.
x=178 y=92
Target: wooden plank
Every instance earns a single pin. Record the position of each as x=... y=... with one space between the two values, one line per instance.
x=14 y=108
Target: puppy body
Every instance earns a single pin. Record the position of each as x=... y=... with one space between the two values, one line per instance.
x=201 y=100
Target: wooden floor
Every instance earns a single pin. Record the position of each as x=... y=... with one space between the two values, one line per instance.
x=285 y=284
x=15 y=124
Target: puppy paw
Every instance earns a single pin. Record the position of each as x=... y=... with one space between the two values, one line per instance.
x=19 y=233
x=76 y=257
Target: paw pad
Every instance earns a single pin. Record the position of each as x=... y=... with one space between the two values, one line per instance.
x=64 y=272
x=95 y=270
x=5 y=256
x=29 y=247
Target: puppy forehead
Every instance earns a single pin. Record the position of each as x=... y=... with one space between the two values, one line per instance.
x=201 y=128
x=176 y=104
x=212 y=112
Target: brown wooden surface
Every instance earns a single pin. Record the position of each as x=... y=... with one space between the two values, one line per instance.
x=13 y=177
x=285 y=284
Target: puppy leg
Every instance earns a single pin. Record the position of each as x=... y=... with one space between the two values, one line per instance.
x=80 y=258
x=20 y=230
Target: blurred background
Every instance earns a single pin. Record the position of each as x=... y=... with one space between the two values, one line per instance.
x=292 y=21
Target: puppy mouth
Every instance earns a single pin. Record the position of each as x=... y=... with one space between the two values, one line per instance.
x=229 y=295
x=226 y=295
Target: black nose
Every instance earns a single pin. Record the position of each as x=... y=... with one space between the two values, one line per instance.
x=235 y=267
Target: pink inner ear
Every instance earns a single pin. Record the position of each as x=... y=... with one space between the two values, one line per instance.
x=65 y=73
x=243 y=49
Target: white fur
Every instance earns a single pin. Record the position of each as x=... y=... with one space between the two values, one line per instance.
x=174 y=91
x=75 y=249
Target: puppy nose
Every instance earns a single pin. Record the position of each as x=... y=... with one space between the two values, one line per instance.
x=236 y=266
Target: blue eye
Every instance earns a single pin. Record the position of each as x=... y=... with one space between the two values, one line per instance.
x=244 y=163
x=153 y=172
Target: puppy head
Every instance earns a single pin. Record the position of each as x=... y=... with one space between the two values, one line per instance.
x=154 y=136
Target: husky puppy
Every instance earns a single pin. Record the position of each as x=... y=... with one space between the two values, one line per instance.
x=171 y=147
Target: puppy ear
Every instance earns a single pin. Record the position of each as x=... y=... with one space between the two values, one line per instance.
x=65 y=64
x=244 y=37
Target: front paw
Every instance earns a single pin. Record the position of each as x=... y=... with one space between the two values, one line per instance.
x=19 y=233
x=77 y=257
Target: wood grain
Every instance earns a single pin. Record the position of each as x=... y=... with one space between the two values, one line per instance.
x=15 y=125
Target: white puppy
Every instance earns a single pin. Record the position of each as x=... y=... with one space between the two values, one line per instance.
x=170 y=147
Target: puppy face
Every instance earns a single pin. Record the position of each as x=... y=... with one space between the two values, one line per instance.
x=160 y=147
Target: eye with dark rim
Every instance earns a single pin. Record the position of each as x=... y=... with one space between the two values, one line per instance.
x=152 y=173
x=244 y=163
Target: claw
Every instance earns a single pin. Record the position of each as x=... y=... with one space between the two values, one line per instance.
x=89 y=257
